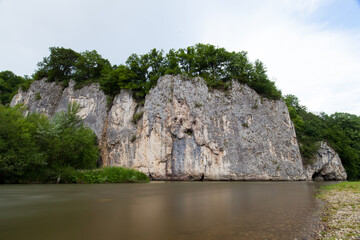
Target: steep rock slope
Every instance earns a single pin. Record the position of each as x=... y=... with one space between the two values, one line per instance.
x=187 y=132
x=327 y=165
x=49 y=98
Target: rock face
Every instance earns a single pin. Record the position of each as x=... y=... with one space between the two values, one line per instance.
x=186 y=132
x=42 y=97
x=327 y=165
x=49 y=98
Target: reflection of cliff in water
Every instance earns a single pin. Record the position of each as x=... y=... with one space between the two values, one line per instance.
x=177 y=210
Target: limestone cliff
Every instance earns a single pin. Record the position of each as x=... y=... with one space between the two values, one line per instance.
x=187 y=132
x=326 y=166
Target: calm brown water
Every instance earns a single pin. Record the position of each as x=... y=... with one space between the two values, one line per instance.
x=174 y=210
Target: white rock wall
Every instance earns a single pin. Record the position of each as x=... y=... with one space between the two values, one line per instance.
x=189 y=132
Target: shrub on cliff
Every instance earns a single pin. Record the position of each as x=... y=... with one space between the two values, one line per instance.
x=141 y=72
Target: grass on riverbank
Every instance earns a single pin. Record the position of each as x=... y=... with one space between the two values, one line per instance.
x=341 y=213
x=103 y=175
x=344 y=186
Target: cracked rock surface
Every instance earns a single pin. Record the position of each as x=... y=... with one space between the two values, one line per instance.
x=190 y=133
x=186 y=132
x=326 y=165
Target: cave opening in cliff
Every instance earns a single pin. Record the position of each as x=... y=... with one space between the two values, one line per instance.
x=317 y=176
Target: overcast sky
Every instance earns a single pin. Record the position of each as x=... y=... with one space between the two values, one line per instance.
x=311 y=48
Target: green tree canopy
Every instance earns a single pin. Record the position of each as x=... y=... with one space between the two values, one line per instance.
x=33 y=145
x=90 y=66
x=59 y=66
x=9 y=85
x=20 y=157
x=141 y=72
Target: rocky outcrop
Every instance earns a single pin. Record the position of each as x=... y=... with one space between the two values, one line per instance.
x=41 y=97
x=93 y=105
x=190 y=133
x=49 y=98
x=186 y=132
x=326 y=165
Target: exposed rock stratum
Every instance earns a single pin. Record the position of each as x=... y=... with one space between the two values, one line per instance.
x=326 y=166
x=187 y=132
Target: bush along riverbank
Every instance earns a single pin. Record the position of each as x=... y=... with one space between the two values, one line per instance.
x=340 y=216
x=36 y=149
x=102 y=175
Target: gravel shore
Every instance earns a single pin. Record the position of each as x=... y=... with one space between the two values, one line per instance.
x=340 y=215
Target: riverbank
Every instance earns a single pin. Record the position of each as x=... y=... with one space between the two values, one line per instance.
x=340 y=215
x=103 y=175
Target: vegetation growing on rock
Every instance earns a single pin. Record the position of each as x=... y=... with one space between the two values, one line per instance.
x=141 y=72
x=9 y=85
x=34 y=148
x=340 y=130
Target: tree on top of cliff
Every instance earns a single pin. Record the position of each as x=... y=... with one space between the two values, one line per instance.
x=141 y=72
x=59 y=66
x=90 y=65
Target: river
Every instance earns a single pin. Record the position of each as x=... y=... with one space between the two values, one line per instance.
x=159 y=210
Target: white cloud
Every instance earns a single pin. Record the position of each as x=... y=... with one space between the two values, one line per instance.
x=308 y=57
x=319 y=65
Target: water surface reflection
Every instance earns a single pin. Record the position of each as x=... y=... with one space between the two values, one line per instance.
x=174 y=210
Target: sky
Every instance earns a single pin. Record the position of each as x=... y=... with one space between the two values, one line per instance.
x=311 y=48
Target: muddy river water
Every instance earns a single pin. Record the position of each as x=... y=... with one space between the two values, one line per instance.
x=159 y=210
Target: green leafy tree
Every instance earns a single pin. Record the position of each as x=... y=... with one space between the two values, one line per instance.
x=90 y=66
x=20 y=158
x=292 y=103
x=59 y=66
x=67 y=142
x=171 y=63
x=120 y=78
x=9 y=85
x=239 y=67
x=260 y=82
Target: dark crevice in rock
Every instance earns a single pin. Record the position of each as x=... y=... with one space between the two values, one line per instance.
x=317 y=177
x=151 y=177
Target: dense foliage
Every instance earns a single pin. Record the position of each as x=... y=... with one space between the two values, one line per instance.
x=103 y=175
x=9 y=85
x=141 y=72
x=34 y=148
x=340 y=130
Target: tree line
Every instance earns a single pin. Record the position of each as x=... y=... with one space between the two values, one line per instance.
x=140 y=72
x=340 y=130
